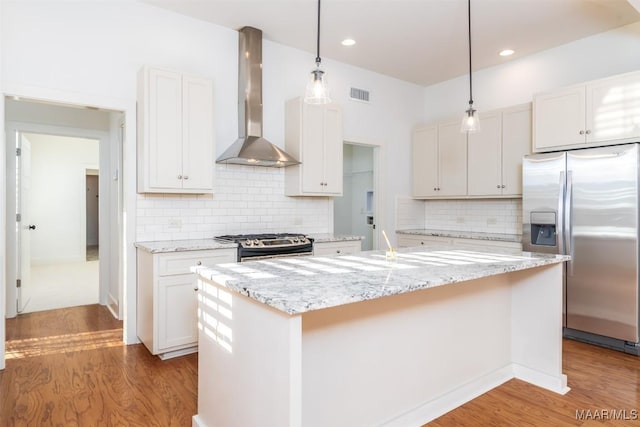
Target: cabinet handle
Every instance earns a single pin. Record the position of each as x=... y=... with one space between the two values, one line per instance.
x=588 y=132
x=186 y=177
x=337 y=251
x=435 y=189
x=195 y=289
x=503 y=186
x=422 y=243
x=179 y=176
x=581 y=132
x=498 y=186
x=199 y=263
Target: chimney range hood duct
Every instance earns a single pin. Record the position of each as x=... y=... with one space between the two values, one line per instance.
x=251 y=148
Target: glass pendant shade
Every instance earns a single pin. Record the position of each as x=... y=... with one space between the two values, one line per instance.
x=470 y=121
x=317 y=89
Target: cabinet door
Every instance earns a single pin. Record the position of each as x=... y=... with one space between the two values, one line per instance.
x=424 y=162
x=197 y=133
x=485 y=154
x=559 y=118
x=333 y=150
x=516 y=143
x=312 y=149
x=165 y=129
x=452 y=149
x=613 y=109
x=177 y=311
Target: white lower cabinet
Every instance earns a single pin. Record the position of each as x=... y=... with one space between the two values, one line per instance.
x=337 y=248
x=167 y=299
x=415 y=240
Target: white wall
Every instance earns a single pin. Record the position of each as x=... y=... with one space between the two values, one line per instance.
x=58 y=190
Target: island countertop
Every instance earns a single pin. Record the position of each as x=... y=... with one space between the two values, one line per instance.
x=297 y=285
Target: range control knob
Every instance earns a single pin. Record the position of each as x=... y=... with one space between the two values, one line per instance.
x=256 y=242
x=248 y=243
x=296 y=240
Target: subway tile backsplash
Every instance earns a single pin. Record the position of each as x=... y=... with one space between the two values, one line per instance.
x=410 y=213
x=247 y=199
x=487 y=215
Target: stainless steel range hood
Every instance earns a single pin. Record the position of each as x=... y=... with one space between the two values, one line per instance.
x=251 y=148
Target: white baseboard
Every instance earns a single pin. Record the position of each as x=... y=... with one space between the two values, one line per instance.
x=196 y=421
x=177 y=353
x=540 y=379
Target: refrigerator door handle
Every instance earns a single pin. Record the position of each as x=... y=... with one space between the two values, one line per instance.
x=560 y=217
x=568 y=211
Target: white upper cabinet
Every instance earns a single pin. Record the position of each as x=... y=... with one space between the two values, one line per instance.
x=485 y=154
x=452 y=154
x=439 y=161
x=175 y=132
x=601 y=112
x=495 y=153
x=516 y=143
x=313 y=135
x=425 y=162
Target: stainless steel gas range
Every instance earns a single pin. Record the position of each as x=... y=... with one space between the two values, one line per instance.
x=275 y=245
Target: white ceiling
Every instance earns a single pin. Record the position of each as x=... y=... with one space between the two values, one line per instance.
x=420 y=41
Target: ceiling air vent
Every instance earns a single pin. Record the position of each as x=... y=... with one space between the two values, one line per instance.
x=359 y=95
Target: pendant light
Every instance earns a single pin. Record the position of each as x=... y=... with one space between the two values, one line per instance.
x=470 y=120
x=317 y=90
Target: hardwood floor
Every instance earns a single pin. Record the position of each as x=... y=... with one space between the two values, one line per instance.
x=69 y=367
x=600 y=380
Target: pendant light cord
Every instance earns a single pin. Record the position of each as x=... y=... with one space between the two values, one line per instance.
x=470 y=78
x=318 y=39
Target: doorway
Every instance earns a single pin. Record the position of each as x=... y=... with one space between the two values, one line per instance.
x=71 y=239
x=355 y=212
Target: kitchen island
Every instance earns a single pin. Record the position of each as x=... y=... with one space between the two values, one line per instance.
x=359 y=340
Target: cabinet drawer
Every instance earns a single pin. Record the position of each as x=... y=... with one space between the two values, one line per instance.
x=413 y=241
x=181 y=262
x=337 y=248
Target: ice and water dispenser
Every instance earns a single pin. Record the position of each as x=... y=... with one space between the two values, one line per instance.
x=543 y=228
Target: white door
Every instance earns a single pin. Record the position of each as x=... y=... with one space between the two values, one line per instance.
x=24 y=225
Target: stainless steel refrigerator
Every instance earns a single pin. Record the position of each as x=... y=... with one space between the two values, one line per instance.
x=584 y=203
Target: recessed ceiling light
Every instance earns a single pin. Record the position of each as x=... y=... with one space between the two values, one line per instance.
x=506 y=52
x=348 y=42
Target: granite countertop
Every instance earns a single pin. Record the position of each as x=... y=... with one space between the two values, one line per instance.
x=298 y=285
x=183 y=245
x=326 y=237
x=499 y=237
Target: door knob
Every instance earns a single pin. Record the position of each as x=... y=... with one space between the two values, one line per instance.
x=32 y=227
